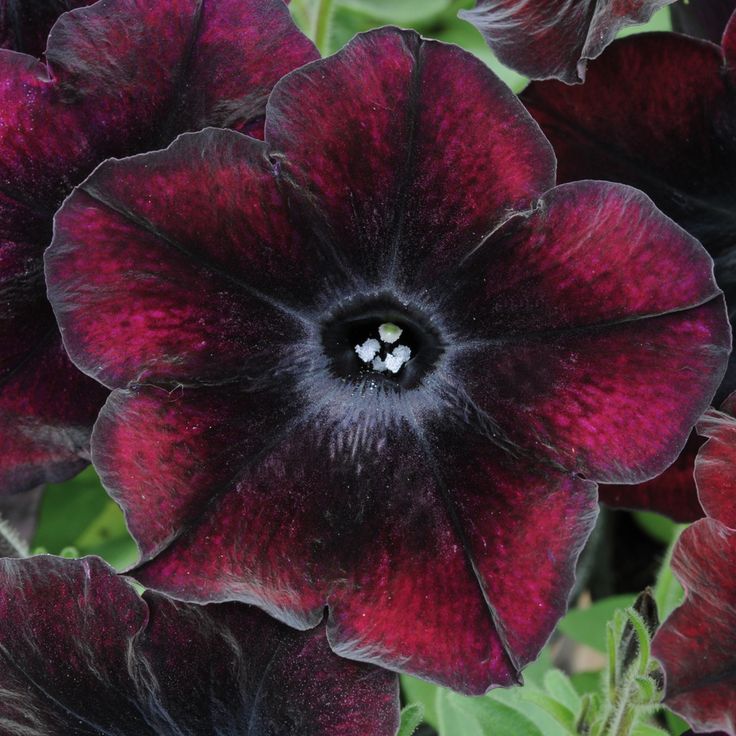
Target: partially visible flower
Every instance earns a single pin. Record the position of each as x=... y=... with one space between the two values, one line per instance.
x=702 y=18
x=120 y=77
x=245 y=298
x=82 y=653
x=25 y=24
x=545 y=39
x=697 y=643
x=715 y=466
x=658 y=112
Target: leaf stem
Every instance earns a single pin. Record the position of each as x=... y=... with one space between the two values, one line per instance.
x=323 y=25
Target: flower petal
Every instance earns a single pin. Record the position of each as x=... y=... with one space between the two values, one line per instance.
x=605 y=335
x=703 y=20
x=25 y=24
x=409 y=591
x=46 y=413
x=556 y=38
x=697 y=643
x=84 y=653
x=715 y=466
x=673 y=493
x=366 y=167
x=113 y=71
x=135 y=237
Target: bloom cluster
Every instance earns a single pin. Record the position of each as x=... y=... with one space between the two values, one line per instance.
x=352 y=341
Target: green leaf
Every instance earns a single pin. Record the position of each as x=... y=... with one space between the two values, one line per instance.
x=411 y=718
x=646 y=729
x=558 y=685
x=660 y=21
x=480 y=717
x=424 y=693
x=586 y=682
x=588 y=626
x=404 y=13
x=657 y=526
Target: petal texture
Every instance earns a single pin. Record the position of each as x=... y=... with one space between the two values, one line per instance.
x=577 y=298
x=120 y=77
x=555 y=39
x=715 y=466
x=367 y=165
x=696 y=644
x=84 y=654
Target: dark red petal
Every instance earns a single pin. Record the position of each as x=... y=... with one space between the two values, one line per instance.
x=113 y=71
x=25 y=24
x=697 y=643
x=555 y=38
x=655 y=112
x=46 y=414
x=83 y=653
x=706 y=19
x=404 y=562
x=715 y=466
x=604 y=337
x=20 y=511
x=388 y=145
x=673 y=493
x=144 y=287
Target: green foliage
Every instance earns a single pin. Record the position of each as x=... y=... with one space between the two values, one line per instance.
x=588 y=626
x=411 y=718
x=78 y=518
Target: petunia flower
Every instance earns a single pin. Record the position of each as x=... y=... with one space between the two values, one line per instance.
x=120 y=77
x=697 y=643
x=658 y=112
x=237 y=293
x=25 y=24
x=555 y=39
x=82 y=653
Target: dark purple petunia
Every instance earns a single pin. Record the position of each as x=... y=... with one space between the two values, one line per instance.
x=25 y=24
x=658 y=112
x=82 y=653
x=121 y=77
x=555 y=39
x=367 y=363
x=697 y=643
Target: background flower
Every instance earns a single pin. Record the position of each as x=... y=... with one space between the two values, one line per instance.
x=224 y=284
x=82 y=653
x=121 y=77
x=555 y=38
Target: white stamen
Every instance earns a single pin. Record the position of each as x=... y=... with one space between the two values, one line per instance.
x=389 y=332
x=379 y=365
x=368 y=350
x=395 y=360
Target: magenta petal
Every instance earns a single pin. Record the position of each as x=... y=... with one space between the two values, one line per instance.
x=672 y=493
x=173 y=298
x=25 y=24
x=83 y=653
x=555 y=38
x=406 y=169
x=697 y=643
x=715 y=466
x=586 y=329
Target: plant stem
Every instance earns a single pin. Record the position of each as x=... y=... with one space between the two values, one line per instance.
x=323 y=25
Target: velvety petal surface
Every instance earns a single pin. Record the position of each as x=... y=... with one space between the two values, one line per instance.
x=418 y=550
x=366 y=167
x=672 y=493
x=25 y=24
x=84 y=654
x=556 y=38
x=121 y=77
x=176 y=298
x=715 y=466
x=592 y=307
x=697 y=643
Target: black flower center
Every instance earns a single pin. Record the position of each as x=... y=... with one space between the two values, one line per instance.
x=381 y=339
